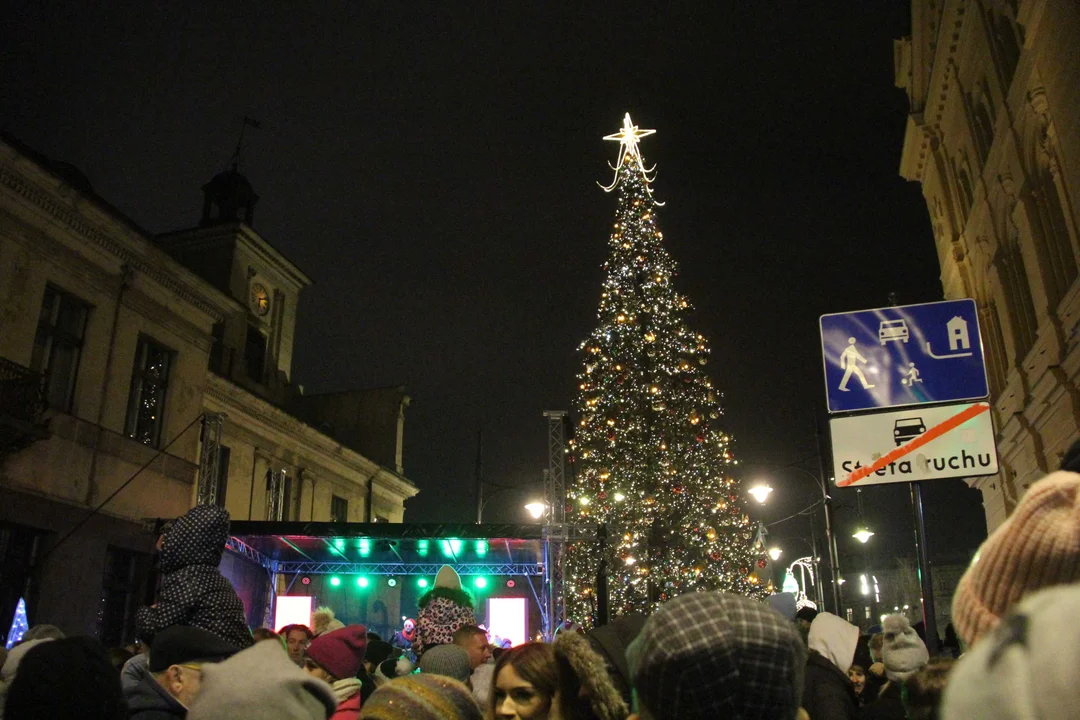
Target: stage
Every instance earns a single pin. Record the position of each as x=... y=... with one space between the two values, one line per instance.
x=373 y=573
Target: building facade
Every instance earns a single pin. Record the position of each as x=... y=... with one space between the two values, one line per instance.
x=992 y=137
x=118 y=352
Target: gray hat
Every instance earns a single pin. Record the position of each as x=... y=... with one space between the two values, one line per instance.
x=903 y=651
x=708 y=655
x=261 y=682
x=449 y=660
x=1026 y=667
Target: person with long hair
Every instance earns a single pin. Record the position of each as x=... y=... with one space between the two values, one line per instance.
x=566 y=680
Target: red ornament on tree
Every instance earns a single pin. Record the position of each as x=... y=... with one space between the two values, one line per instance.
x=678 y=489
x=744 y=570
x=761 y=563
x=602 y=495
x=715 y=555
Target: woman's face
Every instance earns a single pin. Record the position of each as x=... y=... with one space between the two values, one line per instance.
x=516 y=699
x=858 y=680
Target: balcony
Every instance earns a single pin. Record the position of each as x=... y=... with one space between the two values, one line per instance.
x=22 y=408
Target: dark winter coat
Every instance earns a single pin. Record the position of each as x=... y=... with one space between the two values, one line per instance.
x=888 y=706
x=149 y=701
x=827 y=691
x=193 y=591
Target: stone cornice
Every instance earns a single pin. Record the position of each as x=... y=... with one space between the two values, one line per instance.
x=151 y=262
x=230 y=395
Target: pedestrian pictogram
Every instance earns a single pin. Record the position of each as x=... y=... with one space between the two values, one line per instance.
x=849 y=362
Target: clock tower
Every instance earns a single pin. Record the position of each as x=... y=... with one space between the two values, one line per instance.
x=253 y=347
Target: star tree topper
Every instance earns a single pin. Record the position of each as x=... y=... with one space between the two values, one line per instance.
x=628 y=138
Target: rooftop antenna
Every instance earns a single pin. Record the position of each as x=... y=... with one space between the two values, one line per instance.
x=236 y=156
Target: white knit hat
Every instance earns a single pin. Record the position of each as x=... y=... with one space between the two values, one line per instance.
x=903 y=651
x=1027 y=667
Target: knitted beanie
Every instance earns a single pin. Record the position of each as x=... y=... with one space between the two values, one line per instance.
x=1036 y=547
x=1023 y=668
x=66 y=679
x=449 y=660
x=323 y=621
x=421 y=697
x=903 y=651
x=341 y=652
x=392 y=668
x=711 y=655
x=261 y=682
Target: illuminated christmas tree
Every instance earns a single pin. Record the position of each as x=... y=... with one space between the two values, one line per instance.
x=652 y=461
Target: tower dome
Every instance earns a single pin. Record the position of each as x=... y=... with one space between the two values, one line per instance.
x=228 y=197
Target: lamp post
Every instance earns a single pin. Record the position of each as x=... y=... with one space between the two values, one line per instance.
x=761 y=491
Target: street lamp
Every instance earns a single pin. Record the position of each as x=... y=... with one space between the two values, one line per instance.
x=775 y=553
x=862 y=534
x=760 y=492
x=536 y=509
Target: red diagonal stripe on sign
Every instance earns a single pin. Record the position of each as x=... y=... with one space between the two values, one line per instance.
x=929 y=436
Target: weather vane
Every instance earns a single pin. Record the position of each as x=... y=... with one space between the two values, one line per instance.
x=628 y=138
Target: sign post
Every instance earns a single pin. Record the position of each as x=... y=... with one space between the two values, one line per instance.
x=928 y=360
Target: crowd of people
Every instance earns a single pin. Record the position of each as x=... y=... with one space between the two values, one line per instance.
x=1011 y=654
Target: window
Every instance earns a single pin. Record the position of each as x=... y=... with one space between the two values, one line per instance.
x=149 y=383
x=58 y=345
x=216 y=360
x=339 y=509
x=255 y=353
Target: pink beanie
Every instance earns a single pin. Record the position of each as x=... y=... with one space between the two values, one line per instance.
x=1038 y=546
x=341 y=652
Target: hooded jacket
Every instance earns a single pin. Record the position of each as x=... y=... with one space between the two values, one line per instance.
x=443 y=609
x=827 y=692
x=193 y=591
x=575 y=656
x=149 y=701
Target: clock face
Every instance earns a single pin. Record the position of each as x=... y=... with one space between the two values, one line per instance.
x=260 y=299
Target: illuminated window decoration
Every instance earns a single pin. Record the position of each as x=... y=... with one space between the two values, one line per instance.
x=652 y=461
x=19 y=625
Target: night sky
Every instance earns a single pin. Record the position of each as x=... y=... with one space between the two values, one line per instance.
x=434 y=168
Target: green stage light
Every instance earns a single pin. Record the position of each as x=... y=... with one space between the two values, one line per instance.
x=392 y=582
x=422 y=582
x=335 y=581
x=481 y=547
x=422 y=547
x=362 y=581
x=365 y=547
x=339 y=543
x=480 y=582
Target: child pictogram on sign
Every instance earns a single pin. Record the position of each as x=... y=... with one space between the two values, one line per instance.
x=912 y=376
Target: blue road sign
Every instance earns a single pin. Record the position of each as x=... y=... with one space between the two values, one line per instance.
x=905 y=355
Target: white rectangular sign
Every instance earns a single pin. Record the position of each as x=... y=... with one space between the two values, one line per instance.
x=925 y=443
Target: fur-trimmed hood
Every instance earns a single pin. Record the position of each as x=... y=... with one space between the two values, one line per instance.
x=573 y=652
x=455 y=595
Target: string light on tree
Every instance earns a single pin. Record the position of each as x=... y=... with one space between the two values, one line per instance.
x=653 y=462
